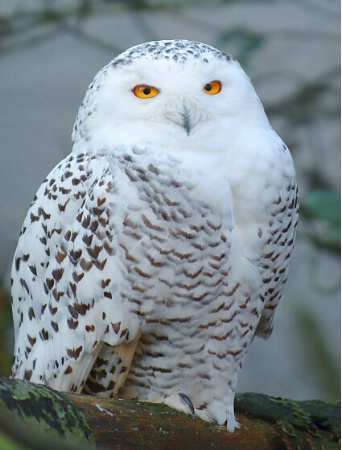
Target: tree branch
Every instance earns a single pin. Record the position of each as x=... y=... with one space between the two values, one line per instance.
x=266 y=423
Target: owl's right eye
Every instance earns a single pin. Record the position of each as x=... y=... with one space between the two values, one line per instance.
x=145 y=91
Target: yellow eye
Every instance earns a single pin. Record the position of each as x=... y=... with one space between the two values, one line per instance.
x=212 y=88
x=145 y=91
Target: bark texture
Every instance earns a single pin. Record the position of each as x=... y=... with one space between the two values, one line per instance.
x=36 y=417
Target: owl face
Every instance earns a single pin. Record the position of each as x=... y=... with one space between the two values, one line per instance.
x=181 y=95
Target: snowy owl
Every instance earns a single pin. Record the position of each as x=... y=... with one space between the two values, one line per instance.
x=153 y=254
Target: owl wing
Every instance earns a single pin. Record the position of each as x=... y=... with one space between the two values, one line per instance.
x=278 y=240
x=64 y=277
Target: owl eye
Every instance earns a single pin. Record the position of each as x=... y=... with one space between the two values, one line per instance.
x=212 y=88
x=145 y=91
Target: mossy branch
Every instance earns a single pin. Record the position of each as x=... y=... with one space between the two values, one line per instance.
x=36 y=417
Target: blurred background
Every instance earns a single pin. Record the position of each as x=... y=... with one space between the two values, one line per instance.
x=50 y=51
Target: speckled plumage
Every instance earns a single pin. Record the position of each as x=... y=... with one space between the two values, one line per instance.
x=154 y=252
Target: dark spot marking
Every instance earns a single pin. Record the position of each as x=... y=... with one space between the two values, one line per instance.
x=57 y=274
x=74 y=352
x=68 y=370
x=62 y=207
x=87 y=239
x=101 y=201
x=94 y=226
x=100 y=264
x=79 y=308
x=44 y=334
x=24 y=285
x=74 y=256
x=116 y=327
x=97 y=211
x=86 y=265
x=95 y=251
x=67 y=235
x=72 y=324
x=28 y=375
x=17 y=263
x=234 y=352
x=74 y=236
x=60 y=256
x=33 y=269
x=32 y=340
x=77 y=276
x=153 y=169
x=86 y=221
x=142 y=273
x=57 y=295
x=42 y=212
x=55 y=326
x=105 y=283
x=111 y=385
x=95 y=387
x=34 y=218
x=124 y=332
x=64 y=191
x=31 y=314
x=73 y=288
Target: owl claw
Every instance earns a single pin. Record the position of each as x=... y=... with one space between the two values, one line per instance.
x=180 y=402
x=188 y=401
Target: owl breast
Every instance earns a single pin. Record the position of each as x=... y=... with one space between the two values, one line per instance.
x=185 y=276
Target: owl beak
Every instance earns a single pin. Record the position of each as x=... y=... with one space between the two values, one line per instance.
x=185 y=113
x=186 y=119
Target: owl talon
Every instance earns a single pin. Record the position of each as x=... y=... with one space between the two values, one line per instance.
x=180 y=402
x=188 y=402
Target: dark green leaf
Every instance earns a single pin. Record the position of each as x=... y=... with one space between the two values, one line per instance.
x=323 y=204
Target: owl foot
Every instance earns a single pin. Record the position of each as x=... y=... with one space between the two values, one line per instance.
x=181 y=402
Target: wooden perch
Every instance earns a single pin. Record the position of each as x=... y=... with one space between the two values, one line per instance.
x=86 y=422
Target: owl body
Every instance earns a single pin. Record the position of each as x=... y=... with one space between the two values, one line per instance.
x=155 y=251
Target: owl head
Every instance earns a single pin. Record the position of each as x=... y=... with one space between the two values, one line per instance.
x=169 y=93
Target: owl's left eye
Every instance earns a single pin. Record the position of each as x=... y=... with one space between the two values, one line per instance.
x=212 y=88
x=145 y=91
